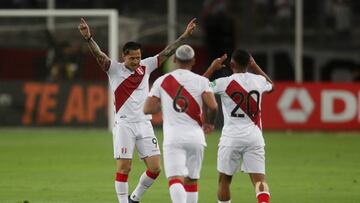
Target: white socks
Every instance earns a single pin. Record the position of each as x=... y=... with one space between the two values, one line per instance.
x=192 y=193
x=121 y=187
x=146 y=180
x=177 y=191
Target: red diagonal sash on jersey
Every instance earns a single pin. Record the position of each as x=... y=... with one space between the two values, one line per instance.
x=171 y=86
x=128 y=86
x=236 y=87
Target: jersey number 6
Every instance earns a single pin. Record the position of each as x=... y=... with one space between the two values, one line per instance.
x=180 y=99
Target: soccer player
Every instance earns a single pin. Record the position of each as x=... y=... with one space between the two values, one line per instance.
x=181 y=95
x=241 y=139
x=129 y=82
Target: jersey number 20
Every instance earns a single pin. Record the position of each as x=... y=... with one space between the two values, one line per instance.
x=249 y=108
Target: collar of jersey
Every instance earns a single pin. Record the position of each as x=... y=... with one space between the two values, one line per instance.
x=128 y=70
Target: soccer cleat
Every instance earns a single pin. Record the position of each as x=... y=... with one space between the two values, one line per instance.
x=132 y=201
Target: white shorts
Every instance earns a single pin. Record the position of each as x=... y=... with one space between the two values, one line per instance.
x=183 y=160
x=251 y=158
x=127 y=135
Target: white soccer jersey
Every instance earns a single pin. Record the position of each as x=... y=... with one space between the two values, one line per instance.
x=131 y=88
x=181 y=99
x=241 y=105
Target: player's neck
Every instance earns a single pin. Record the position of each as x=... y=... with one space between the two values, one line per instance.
x=239 y=71
x=184 y=67
x=130 y=69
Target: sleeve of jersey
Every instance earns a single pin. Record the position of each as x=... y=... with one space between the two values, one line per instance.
x=266 y=85
x=206 y=85
x=217 y=86
x=112 y=68
x=155 y=89
x=151 y=63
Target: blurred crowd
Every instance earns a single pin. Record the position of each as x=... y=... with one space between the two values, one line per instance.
x=331 y=25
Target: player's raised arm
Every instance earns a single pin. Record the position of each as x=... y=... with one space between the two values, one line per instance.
x=171 y=48
x=259 y=71
x=217 y=64
x=102 y=59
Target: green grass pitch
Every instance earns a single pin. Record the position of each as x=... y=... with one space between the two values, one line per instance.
x=76 y=165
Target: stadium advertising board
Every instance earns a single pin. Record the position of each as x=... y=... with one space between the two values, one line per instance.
x=53 y=104
x=307 y=106
x=312 y=106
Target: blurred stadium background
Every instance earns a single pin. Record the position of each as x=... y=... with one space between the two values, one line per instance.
x=54 y=142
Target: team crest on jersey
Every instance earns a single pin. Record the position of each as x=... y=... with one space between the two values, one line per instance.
x=140 y=70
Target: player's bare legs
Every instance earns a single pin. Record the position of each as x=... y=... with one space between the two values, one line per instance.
x=147 y=178
x=224 y=188
x=177 y=190
x=123 y=167
x=191 y=188
x=261 y=187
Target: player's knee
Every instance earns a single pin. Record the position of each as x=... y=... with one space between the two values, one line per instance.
x=124 y=169
x=155 y=170
x=261 y=186
x=190 y=181
x=224 y=179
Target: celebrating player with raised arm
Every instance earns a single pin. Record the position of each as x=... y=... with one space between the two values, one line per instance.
x=241 y=139
x=181 y=94
x=129 y=82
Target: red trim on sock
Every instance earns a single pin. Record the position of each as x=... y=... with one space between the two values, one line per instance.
x=175 y=181
x=191 y=188
x=121 y=177
x=263 y=197
x=151 y=174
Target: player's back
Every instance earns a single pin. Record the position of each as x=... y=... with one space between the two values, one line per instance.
x=241 y=95
x=181 y=99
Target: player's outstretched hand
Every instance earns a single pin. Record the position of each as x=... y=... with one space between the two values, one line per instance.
x=84 y=29
x=190 y=28
x=218 y=63
x=208 y=128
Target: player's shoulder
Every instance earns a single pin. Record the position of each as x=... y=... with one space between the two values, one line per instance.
x=149 y=59
x=116 y=66
x=226 y=79
x=255 y=76
x=199 y=77
x=161 y=78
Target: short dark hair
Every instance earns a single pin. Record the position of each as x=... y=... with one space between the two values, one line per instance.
x=131 y=46
x=241 y=57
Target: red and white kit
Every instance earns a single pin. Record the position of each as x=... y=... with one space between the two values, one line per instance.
x=181 y=98
x=241 y=139
x=132 y=127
